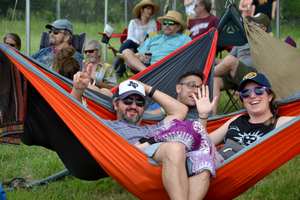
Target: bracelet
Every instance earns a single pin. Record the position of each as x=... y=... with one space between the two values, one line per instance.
x=203 y=118
x=152 y=91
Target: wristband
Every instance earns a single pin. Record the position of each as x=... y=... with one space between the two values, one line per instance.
x=152 y=91
x=203 y=118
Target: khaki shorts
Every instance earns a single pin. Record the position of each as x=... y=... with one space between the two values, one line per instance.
x=233 y=82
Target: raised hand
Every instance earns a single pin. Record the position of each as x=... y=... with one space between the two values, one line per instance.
x=203 y=103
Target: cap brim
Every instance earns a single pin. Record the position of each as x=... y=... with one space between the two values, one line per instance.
x=126 y=94
x=49 y=26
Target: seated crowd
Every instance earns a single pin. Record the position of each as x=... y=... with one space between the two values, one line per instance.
x=179 y=143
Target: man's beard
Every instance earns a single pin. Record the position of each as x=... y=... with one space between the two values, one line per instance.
x=133 y=120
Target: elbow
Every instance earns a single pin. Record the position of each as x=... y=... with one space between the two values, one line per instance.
x=183 y=111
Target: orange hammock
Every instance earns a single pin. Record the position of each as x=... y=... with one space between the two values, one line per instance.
x=130 y=167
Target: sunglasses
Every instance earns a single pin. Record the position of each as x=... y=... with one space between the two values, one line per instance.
x=54 y=31
x=190 y=85
x=245 y=93
x=169 y=23
x=138 y=101
x=89 y=51
x=10 y=44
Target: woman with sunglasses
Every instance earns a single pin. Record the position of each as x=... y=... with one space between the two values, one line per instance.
x=261 y=113
x=13 y=40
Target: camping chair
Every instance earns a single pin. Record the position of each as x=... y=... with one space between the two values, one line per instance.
x=77 y=41
x=231 y=33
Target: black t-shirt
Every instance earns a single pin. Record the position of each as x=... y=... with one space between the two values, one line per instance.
x=265 y=8
x=245 y=133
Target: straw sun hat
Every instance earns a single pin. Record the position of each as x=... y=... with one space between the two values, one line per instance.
x=174 y=16
x=137 y=8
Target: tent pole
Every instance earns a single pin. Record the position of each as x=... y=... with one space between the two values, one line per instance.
x=174 y=5
x=126 y=13
x=277 y=19
x=27 y=51
x=105 y=22
x=58 y=9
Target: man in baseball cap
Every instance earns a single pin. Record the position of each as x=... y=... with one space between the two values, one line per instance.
x=60 y=36
x=159 y=46
x=61 y=24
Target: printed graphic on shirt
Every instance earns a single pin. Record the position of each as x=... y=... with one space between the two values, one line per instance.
x=245 y=138
x=195 y=30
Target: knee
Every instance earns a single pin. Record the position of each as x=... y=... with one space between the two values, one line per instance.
x=127 y=52
x=174 y=152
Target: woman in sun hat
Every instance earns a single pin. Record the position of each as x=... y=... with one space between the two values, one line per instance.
x=138 y=29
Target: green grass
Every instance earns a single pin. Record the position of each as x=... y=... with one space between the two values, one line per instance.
x=35 y=162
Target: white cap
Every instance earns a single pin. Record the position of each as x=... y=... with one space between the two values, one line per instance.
x=130 y=87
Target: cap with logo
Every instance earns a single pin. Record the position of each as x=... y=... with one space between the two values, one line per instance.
x=61 y=24
x=258 y=78
x=129 y=87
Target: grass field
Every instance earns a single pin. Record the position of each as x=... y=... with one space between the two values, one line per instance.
x=34 y=163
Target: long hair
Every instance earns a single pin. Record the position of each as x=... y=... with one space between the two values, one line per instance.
x=15 y=37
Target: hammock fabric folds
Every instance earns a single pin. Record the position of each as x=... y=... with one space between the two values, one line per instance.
x=53 y=112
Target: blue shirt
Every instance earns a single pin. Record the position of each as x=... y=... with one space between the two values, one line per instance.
x=46 y=57
x=161 y=45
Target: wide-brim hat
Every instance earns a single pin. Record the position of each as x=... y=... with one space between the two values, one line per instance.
x=137 y=8
x=174 y=16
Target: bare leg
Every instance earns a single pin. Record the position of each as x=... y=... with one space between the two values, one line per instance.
x=132 y=60
x=198 y=185
x=218 y=86
x=174 y=177
x=227 y=66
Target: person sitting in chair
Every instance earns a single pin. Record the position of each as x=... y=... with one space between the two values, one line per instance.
x=102 y=74
x=230 y=71
x=60 y=36
x=157 y=47
x=138 y=30
x=203 y=19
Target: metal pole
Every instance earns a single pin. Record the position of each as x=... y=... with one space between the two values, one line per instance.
x=105 y=22
x=174 y=5
x=278 y=18
x=126 y=13
x=27 y=51
x=58 y=9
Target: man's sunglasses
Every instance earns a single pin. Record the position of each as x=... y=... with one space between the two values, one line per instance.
x=245 y=93
x=138 y=101
x=89 y=51
x=10 y=44
x=169 y=23
x=55 y=31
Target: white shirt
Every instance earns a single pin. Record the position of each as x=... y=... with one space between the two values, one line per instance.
x=138 y=32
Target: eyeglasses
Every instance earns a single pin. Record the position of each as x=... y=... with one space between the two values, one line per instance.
x=169 y=23
x=10 y=44
x=138 y=101
x=55 y=31
x=89 y=51
x=190 y=85
x=245 y=93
